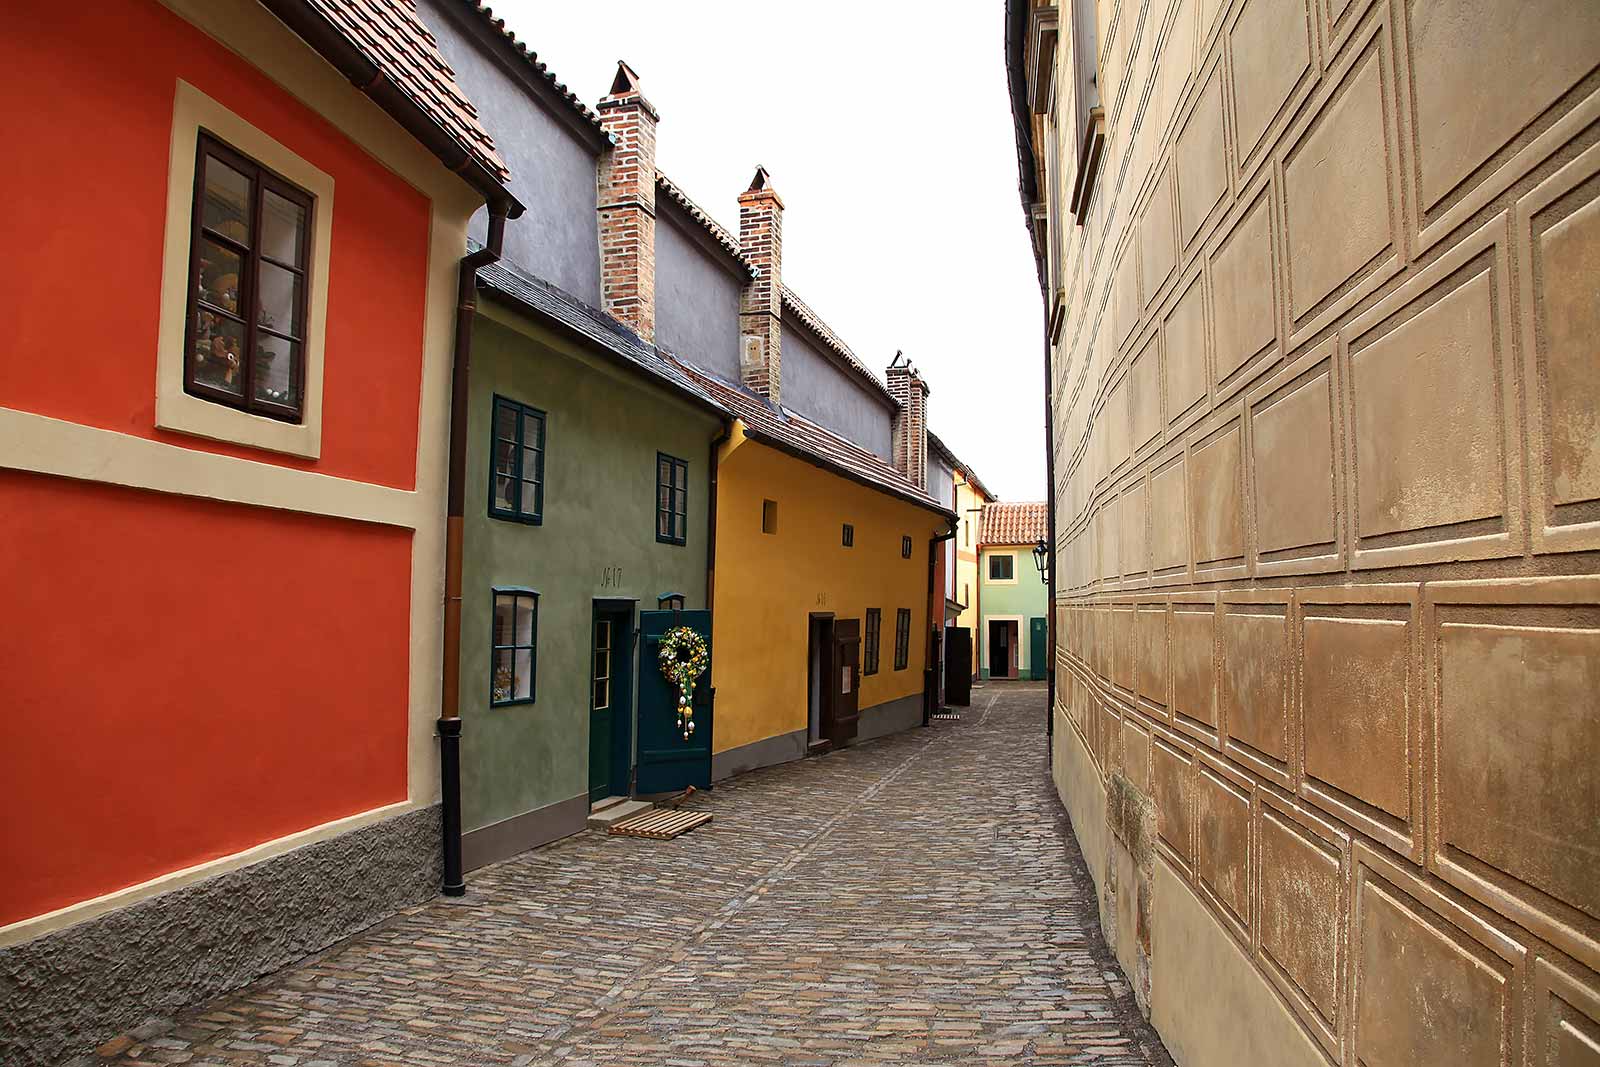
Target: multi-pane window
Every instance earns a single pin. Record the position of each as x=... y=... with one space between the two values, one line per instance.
x=869 y=655
x=849 y=536
x=1000 y=568
x=516 y=485
x=905 y=548
x=249 y=257
x=602 y=664
x=672 y=499
x=513 y=658
x=902 y=638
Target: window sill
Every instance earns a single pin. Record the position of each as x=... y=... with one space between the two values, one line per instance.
x=511 y=703
x=511 y=516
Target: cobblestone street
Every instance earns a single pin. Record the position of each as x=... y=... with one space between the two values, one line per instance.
x=917 y=899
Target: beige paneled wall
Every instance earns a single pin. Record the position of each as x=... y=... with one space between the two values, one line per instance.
x=1328 y=506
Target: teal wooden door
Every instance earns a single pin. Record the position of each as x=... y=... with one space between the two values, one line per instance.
x=1037 y=633
x=668 y=762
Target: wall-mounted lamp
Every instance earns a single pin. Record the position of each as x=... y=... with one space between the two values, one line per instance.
x=1041 y=558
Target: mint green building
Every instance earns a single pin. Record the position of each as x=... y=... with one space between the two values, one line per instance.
x=1013 y=600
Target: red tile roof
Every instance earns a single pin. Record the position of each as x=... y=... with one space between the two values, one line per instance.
x=1013 y=523
x=793 y=433
x=394 y=38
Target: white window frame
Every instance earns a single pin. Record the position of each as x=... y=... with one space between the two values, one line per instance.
x=176 y=409
x=987 y=556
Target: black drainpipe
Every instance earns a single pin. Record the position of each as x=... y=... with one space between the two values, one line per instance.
x=711 y=564
x=1050 y=556
x=450 y=697
x=929 y=682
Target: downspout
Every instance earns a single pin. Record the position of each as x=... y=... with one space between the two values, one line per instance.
x=450 y=697
x=711 y=572
x=928 y=681
x=1050 y=556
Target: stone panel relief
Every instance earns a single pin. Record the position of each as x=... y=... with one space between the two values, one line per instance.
x=1354 y=531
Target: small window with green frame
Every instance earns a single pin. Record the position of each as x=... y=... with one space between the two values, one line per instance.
x=672 y=499
x=516 y=484
x=514 y=654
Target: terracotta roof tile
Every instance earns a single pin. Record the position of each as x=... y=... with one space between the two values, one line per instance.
x=393 y=37
x=1013 y=523
x=800 y=436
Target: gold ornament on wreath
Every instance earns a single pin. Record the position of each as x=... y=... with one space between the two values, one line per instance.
x=683 y=658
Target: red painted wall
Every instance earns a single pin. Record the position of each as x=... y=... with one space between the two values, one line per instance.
x=183 y=679
x=86 y=94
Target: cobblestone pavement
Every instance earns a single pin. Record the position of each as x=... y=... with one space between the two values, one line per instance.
x=918 y=899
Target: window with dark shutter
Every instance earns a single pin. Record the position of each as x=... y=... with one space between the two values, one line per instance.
x=902 y=638
x=874 y=637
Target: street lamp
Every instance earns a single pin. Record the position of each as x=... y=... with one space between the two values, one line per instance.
x=1041 y=558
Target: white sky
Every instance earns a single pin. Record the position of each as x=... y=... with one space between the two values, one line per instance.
x=888 y=134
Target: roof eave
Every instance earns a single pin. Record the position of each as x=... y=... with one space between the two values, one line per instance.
x=328 y=41
x=569 y=331
x=909 y=495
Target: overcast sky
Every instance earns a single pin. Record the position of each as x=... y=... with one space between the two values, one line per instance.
x=888 y=134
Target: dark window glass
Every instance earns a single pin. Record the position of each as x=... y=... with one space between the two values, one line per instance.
x=1000 y=568
x=869 y=654
x=602 y=664
x=849 y=535
x=516 y=479
x=902 y=638
x=513 y=659
x=249 y=263
x=769 y=516
x=672 y=499
x=905 y=548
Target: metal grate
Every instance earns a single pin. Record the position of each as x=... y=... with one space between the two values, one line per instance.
x=661 y=824
x=947 y=716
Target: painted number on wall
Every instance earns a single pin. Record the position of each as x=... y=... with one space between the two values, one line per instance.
x=611 y=577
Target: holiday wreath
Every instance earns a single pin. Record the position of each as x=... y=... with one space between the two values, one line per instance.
x=683 y=659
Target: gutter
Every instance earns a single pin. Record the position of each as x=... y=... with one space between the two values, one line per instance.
x=930 y=665
x=450 y=698
x=1050 y=556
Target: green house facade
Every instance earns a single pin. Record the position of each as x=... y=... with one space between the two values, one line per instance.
x=588 y=489
x=1013 y=599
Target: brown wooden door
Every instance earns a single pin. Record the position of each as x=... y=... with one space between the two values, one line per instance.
x=846 y=680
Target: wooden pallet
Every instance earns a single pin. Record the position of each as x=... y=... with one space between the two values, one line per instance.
x=663 y=824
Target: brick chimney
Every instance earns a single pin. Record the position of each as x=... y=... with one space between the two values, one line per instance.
x=911 y=421
x=761 y=303
x=627 y=205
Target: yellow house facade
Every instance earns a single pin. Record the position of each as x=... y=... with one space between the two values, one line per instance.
x=970 y=497
x=820 y=592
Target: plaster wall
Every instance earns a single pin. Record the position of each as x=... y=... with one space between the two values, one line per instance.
x=355 y=530
x=968 y=588
x=597 y=541
x=1026 y=598
x=769 y=584
x=553 y=167
x=1329 y=519
x=697 y=298
x=818 y=388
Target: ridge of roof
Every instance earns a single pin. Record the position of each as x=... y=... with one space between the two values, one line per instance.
x=718 y=232
x=791 y=432
x=389 y=53
x=824 y=333
x=539 y=66
x=550 y=302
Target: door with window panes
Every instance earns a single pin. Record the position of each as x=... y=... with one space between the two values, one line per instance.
x=610 y=724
